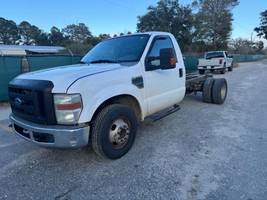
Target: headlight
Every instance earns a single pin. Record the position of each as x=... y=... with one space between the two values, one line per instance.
x=68 y=108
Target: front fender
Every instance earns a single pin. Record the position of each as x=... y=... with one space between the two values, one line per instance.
x=94 y=96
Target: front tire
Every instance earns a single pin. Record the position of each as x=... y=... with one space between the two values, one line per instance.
x=113 y=131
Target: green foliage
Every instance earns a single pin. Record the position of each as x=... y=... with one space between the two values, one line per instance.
x=244 y=46
x=258 y=47
x=77 y=49
x=209 y=27
x=262 y=29
x=75 y=37
x=240 y=46
x=32 y=35
x=169 y=16
x=9 y=32
x=56 y=37
x=214 y=22
x=77 y=33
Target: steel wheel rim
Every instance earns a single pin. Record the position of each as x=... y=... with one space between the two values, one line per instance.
x=223 y=91
x=119 y=133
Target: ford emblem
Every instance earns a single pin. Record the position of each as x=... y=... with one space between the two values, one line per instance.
x=18 y=101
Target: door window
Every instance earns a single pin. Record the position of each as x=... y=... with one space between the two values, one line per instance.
x=160 y=42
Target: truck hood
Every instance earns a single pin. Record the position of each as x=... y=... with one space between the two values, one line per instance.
x=63 y=77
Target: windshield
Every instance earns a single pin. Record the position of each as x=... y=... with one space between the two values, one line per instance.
x=121 y=49
x=218 y=54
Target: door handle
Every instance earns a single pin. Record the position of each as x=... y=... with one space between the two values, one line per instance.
x=181 y=72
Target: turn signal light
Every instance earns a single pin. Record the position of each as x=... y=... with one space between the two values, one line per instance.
x=173 y=61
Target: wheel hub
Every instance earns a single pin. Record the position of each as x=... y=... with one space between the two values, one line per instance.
x=119 y=133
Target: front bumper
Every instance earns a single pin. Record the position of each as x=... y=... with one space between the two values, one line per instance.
x=51 y=136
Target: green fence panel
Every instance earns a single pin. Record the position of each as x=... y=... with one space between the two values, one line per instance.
x=2 y=65
x=44 y=62
x=247 y=58
x=13 y=65
x=5 y=79
x=10 y=67
x=191 y=62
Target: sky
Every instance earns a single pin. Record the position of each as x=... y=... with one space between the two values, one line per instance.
x=114 y=16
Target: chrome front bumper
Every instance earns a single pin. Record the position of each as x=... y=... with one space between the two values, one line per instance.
x=51 y=135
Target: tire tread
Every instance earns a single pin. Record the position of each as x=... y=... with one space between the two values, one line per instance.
x=216 y=91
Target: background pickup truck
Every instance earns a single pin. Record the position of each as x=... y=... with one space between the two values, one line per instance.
x=216 y=60
x=121 y=82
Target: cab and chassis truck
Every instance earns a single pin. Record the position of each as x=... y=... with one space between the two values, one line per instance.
x=100 y=101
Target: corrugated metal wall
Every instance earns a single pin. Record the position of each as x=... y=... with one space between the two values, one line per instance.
x=11 y=66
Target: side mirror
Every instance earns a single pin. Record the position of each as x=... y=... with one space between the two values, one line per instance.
x=167 y=59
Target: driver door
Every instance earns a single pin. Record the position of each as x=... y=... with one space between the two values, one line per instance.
x=164 y=87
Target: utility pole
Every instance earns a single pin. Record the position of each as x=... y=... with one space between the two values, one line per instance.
x=250 y=49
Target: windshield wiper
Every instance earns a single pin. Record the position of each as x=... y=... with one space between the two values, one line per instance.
x=103 y=61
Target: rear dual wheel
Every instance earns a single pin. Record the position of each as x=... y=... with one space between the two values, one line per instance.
x=201 y=71
x=223 y=70
x=214 y=90
x=231 y=67
x=207 y=90
x=219 y=91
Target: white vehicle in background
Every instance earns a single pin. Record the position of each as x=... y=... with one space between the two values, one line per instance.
x=215 y=60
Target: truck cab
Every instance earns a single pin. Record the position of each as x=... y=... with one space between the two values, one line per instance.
x=101 y=100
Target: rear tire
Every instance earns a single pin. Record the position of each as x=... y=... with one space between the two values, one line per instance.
x=207 y=90
x=231 y=67
x=219 y=91
x=201 y=71
x=113 y=131
x=223 y=70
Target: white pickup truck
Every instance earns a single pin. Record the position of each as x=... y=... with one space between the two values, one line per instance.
x=215 y=60
x=100 y=101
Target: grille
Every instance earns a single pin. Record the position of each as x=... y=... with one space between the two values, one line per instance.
x=32 y=100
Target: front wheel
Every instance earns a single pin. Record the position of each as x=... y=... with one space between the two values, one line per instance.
x=113 y=131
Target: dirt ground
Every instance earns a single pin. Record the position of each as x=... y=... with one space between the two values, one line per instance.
x=4 y=110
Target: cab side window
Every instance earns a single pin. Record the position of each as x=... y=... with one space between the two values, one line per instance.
x=153 y=57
